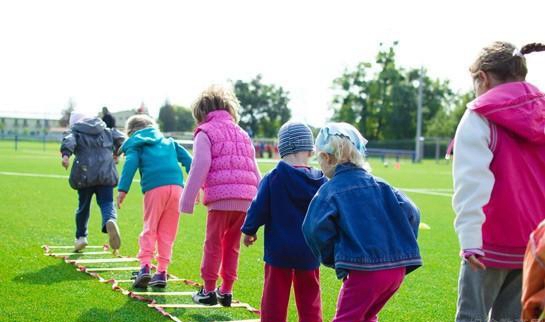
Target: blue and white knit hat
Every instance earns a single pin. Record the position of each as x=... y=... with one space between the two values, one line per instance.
x=344 y=130
x=294 y=137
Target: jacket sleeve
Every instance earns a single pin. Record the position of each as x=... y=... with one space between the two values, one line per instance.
x=259 y=212
x=132 y=162
x=183 y=157
x=473 y=180
x=68 y=145
x=118 y=138
x=409 y=209
x=199 y=171
x=320 y=229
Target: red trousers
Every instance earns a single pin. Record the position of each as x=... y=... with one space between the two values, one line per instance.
x=276 y=294
x=221 y=248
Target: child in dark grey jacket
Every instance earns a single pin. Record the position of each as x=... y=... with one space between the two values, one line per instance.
x=93 y=173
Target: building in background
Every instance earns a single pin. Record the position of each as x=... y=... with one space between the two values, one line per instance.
x=121 y=117
x=27 y=124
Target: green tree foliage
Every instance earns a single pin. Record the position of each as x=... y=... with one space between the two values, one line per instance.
x=175 y=118
x=445 y=121
x=264 y=107
x=381 y=99
x=184 y=119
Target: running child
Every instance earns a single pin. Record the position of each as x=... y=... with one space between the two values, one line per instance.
x=156 y=158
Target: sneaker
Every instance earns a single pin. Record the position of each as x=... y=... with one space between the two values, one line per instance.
x=224 y=299
x=142 y=278
x=204 y=298
x=159 y=279
x=113 y=233
x=80 y=244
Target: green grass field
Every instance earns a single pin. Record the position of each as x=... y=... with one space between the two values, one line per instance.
x=38 y=210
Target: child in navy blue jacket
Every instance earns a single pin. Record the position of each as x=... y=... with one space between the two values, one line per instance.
x=360 y=226
x=280 y=205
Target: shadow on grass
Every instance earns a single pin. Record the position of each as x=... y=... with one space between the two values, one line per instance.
x=128 y=312
x=131 y=311
x=51 y=274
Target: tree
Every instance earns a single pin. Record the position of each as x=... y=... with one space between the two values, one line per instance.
x=167 y=117
x=264 y=107
x=445 y=121
x=381 y=99
x=65 y=118
x=184 y=119
x=175 y=118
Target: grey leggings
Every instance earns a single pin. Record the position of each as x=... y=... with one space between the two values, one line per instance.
x=490 y=295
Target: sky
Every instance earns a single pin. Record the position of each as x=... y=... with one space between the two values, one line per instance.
x=122 y=53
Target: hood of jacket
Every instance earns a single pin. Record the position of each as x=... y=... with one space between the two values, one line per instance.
x=147 y=136
x=517 y=106
x=300 y=185
x=92 y=126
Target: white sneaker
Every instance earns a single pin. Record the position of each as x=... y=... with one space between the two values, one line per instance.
x=80 y=244
x=113 y=234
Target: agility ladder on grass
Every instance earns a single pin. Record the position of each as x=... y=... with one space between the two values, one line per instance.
x=140 y=296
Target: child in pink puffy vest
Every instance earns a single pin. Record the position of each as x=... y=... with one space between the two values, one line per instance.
x=224 y=165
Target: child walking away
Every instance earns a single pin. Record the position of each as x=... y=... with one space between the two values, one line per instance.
x=281 y=205
x=226 y=167
x=156 y=157
x=360 y=226
x=93 y=173
x=499 y=171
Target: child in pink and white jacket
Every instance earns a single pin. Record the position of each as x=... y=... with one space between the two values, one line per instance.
x=499 y=176
x=224 y=165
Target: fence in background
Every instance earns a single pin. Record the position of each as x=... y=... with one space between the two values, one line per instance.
x=396 y=150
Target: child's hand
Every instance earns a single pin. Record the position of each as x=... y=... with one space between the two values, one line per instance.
x=475 y=263
x=198 y=199
x=120 y=197
x=65 y=161
x=249 y=240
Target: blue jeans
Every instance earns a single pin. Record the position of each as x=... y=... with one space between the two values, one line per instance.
x=105 y=200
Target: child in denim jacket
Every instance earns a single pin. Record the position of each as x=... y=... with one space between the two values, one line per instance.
x=360 y=226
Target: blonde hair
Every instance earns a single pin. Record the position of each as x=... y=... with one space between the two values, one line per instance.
x=139 y=122
x=216 y=98
x=504 y=61
x=344 y=151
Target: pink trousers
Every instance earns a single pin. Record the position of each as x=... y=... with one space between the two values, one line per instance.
x=161 y=217
x=276 y=294
x=364 y=294
x=221 y=249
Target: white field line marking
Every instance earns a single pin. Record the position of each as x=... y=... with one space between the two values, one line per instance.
x=432 y=191
x=427 y=192
x=39 y=175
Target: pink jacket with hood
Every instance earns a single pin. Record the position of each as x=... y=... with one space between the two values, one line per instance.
x=499 y=173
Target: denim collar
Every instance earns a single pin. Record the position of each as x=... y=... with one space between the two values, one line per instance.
x=347 y=166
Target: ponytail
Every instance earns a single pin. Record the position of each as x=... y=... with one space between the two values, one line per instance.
x=533 y=47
